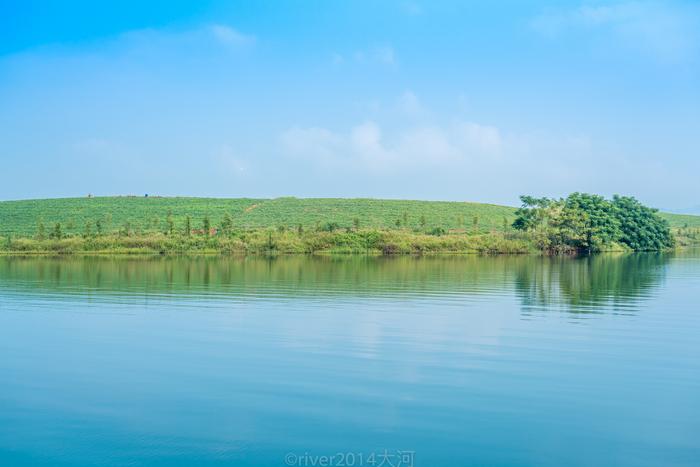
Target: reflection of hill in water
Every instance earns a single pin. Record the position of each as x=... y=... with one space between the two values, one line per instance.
x=293 y=275
x=537 y=281
x=590 y=281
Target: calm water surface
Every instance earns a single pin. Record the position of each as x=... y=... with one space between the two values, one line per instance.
x=436 y=361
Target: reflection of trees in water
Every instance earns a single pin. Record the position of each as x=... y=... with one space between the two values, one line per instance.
x=291 y=275
x=539 y=281
x=589 y=281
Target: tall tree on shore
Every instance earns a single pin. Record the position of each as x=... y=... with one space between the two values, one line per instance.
x=227 y=224
x=40 y=231
x=57 y=231
x=169 y=223
x=188 y=226
x=206 y=226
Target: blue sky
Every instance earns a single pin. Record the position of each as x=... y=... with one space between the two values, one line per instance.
x=479 y=101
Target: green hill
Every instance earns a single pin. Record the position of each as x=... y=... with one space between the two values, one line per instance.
x=267 y=226
x=20 y=218
x=681 y=220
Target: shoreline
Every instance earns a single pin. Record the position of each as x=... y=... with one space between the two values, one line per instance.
x=373 y=253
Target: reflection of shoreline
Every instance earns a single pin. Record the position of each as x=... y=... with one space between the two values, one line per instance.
x=292 y=274
x=537 y=281
x=586 y=282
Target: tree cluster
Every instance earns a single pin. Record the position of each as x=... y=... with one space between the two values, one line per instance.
x=585 y=222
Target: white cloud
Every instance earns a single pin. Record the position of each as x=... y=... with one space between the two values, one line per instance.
x=468 y=156
x=148 y=45
x=667 y=31
x=409 y=104
x=382 y=55
x=429 y=145
x=229 y=36
x=412 y=8
x=483 y=137
x=337 y=58
x=230 y=161
x=318 y=144
x=367 y=146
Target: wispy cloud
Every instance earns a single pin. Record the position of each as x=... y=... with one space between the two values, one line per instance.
x=483 y=157
x=229 y=161
x=412 y=8
x=669 y=31
x=382 y=54
x=231 y=37
x=150 y=44
x=368 y=146
x=409 y=104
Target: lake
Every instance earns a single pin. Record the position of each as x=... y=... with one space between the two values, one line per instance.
x=353 y=361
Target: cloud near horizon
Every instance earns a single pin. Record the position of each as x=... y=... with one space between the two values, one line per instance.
x=667 y=31
x=342 y=103
x=367 y=146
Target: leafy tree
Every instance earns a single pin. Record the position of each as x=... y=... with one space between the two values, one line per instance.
x=40 y=231
x=329 y=227
x=188 y=226
x=227 y=224
x=590 y=220
x=98 y=227
x=422 y=221
x=642 y=229
x=57 y=232
x=532 y=212
x=356 y=223
x=271 y=245
x=87 y=232
x=460 y=221
x=126 y=229
x=206 y=226
x=585 y=222
x=370 y=239
x=169 y=224
x=475 y=223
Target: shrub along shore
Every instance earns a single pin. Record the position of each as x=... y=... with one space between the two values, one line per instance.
x=272 y=242
x=578 y=223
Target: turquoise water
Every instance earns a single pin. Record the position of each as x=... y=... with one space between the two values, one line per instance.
x=432 y=361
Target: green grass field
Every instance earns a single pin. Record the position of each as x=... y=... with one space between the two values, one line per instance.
x=135 y=224
x=20 y=218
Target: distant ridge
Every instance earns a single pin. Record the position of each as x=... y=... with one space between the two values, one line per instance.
x=22 y=217
x=693 y=211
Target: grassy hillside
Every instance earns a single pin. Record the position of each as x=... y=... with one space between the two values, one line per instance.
x=20 y=218
x=682 y=220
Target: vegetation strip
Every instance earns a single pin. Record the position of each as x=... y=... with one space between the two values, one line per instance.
x=577 y=223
